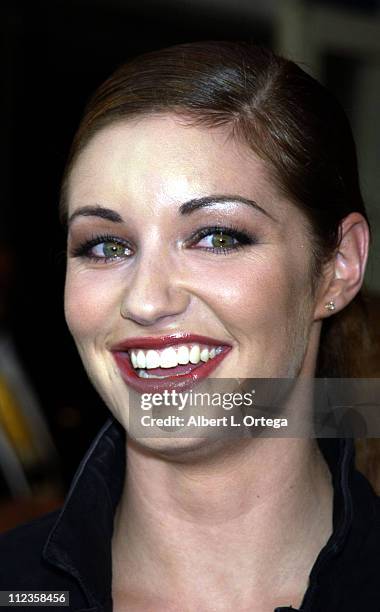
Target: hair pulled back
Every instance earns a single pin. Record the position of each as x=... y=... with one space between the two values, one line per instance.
x=283 y=114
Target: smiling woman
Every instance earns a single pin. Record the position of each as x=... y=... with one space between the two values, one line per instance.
x=216 y=234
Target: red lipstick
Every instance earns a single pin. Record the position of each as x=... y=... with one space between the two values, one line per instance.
x=160 y=342
x=178 y=382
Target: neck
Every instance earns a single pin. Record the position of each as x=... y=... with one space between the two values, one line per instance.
x=255 y=514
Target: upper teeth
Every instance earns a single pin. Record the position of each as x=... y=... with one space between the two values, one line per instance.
x=173 y=356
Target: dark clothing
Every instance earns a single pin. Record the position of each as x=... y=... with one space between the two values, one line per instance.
x=70 y=550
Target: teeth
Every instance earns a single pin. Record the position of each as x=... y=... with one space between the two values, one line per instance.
x=144 y=374
x=171 y=356
x=204 y=355
x=152 y=359
x=183 y=355
x=195 y=354
x=141 y=361
x=168 y=358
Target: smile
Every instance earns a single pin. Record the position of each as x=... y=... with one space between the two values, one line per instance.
x=168 y=362
x=171 y=357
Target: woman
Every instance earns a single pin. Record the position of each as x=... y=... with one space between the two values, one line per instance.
x=215 y=231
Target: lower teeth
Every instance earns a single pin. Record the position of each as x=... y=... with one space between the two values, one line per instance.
x=144 y=374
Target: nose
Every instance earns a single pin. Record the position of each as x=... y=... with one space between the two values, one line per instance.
x=154 y=293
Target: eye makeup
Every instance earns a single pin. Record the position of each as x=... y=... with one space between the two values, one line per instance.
x=84 y=249
x=224 y=240
x=227 y=239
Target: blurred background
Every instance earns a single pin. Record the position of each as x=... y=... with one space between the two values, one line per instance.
x=53 y=55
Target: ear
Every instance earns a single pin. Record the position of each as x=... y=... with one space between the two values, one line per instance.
x=344 y=273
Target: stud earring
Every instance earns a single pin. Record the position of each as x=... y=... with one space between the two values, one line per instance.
x=330 y=305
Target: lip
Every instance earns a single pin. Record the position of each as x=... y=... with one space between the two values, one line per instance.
x=159 y=342
x=179 y=382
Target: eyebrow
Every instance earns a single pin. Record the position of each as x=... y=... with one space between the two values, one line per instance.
x=95 y=211
x=185 y=209
x=188 y=207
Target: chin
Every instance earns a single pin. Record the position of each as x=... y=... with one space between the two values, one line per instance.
x=183 y=450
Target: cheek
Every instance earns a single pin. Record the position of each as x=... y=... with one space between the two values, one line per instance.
x=89 y=304
x=257 y=294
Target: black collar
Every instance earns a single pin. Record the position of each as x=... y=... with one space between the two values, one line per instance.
x=80 y=540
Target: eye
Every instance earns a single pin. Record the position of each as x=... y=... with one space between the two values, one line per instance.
x=109 y=250
x=103 y=249
x=221 y=239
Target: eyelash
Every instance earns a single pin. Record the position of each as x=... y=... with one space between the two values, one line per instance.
x=243 y=238
x=83 y=250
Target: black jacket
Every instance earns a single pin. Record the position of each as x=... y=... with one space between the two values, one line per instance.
x=70 y=549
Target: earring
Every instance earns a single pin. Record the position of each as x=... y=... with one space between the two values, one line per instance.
x=330 y=305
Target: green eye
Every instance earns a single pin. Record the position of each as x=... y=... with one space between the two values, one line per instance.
x=221 y=240
x=113 y=249
x=104 y=249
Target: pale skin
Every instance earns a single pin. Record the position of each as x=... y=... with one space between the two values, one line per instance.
x=202 y=526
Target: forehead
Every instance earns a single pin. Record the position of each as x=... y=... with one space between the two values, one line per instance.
x=161 y=157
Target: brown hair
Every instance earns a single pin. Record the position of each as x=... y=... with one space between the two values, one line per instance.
x=284 y=115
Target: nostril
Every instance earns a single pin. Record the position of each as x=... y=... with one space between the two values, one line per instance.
x=146 y=303
x=147 y=315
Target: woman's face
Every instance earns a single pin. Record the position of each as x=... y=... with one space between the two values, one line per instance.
x=156 y=265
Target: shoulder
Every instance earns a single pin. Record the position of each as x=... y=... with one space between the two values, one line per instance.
x=371 y=547
x=366 y=513
x=357 y=568
x=21 y=562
